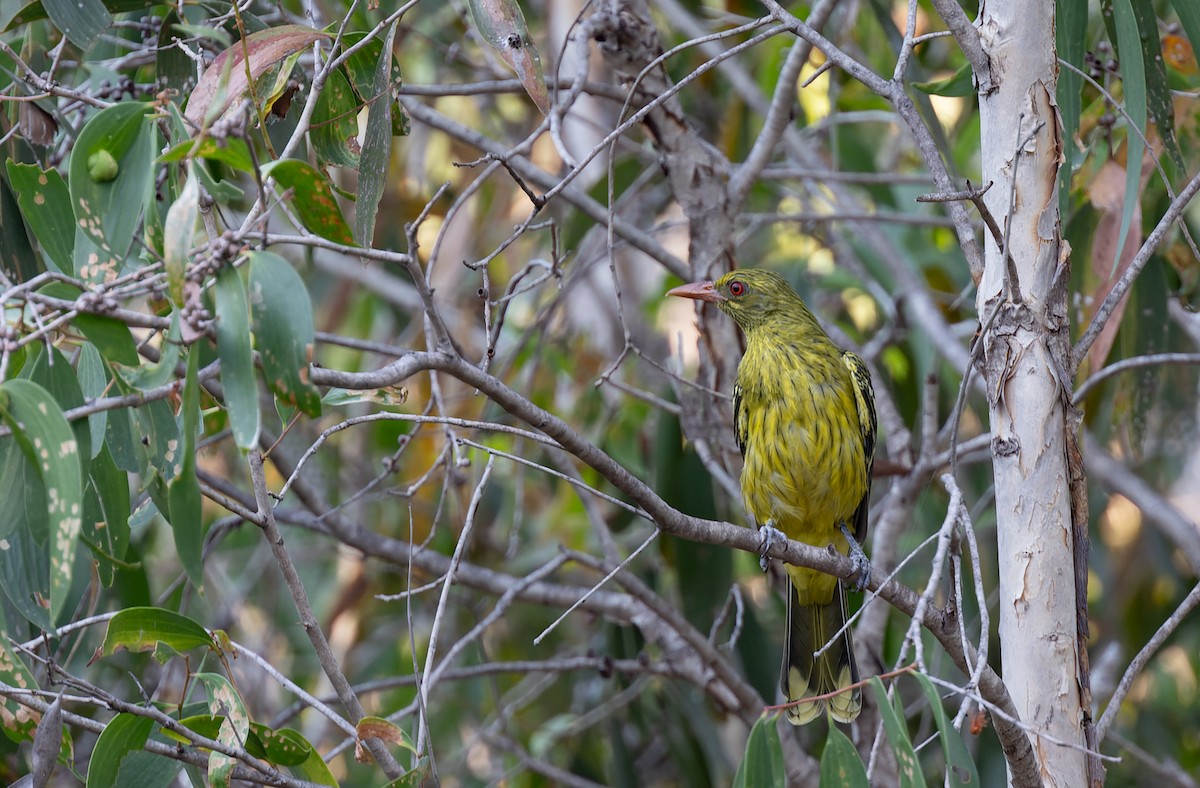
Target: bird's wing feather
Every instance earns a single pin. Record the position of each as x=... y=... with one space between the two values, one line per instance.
x=740 y=420
x=864 y=397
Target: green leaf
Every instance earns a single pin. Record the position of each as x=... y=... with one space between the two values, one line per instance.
x=232 y=151
x=51 y=371
x=762 y=765
x=897 y=733
x=17 y=258
x=143 y=628
x=36 y=11
x=46 y=205
x=173 y=68
x=158 y=437
x=840 y=765
x=283 y=747
x=360 y=67
x=312 y=198
x=315 y=770
x=962 y=83
x=93 y=381
x=24 y=564
x=237 y=358
x=82 y=21
x=377 y=146
x=1070 y=33
x=178 y=232
x=118 y=437
x=1159 y=105
x=151 y=376
x=281 y=314
x=1133 y=77
x=124 y=734
x=334 y=129
x=49 y=443
x=224 y=700
x=502 y=25
x=106 y=509
x=183 y=494
x=958 y=759
x=110 y=336
x=108 y=209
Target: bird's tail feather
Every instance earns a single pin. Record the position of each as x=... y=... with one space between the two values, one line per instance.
x=810 y=627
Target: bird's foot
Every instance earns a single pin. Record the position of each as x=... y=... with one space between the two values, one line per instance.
x=769 y=535
x=862 y=564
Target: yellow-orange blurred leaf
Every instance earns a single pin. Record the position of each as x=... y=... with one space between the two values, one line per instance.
x=1178 y=54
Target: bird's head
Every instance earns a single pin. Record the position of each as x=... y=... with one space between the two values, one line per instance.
x=753 y=298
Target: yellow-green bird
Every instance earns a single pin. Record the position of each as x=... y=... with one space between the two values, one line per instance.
x=804 y=418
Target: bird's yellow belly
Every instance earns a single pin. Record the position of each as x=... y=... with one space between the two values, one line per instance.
x=807 y=476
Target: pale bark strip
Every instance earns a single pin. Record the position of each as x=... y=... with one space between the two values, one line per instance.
x=1026 y=368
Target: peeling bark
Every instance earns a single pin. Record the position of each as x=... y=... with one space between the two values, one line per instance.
x=1040 y=501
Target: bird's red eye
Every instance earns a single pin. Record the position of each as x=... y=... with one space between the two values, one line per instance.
x=737 y=288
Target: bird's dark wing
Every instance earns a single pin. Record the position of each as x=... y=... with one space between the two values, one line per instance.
x=740 y=420
x=864 y=397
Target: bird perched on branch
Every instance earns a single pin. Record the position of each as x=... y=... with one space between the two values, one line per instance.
x=804 y=417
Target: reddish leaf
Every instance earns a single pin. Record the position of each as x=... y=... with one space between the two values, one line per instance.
x=261 y=50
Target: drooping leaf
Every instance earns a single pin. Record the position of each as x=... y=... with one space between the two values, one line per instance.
x=361 y=67
x=897 y=734
x=53 y=372
x=762 y=764
x=224 y=700
x=111 y=180
x=502 y=24
x=49 y=443
x=124 y=734
x=106 y=514
x=958 y=759
x=281 y=314
x=183 y=492
x=1133 y=78
x=237 y=358
x=178 y=231
x=93 y=380
x=1159 y=106
x=46 y=205
x=1070 y=32
x=17 y=258
x=377 y=146
x=82 y=21
x=334 y=128
x=840 y=765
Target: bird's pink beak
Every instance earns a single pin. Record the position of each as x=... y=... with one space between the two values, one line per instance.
x=699 y=291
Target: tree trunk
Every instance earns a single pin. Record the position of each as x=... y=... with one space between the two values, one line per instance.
x=1022 y=304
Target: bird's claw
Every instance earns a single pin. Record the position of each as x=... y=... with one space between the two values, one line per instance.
x=769 y=535
x=862 y=564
